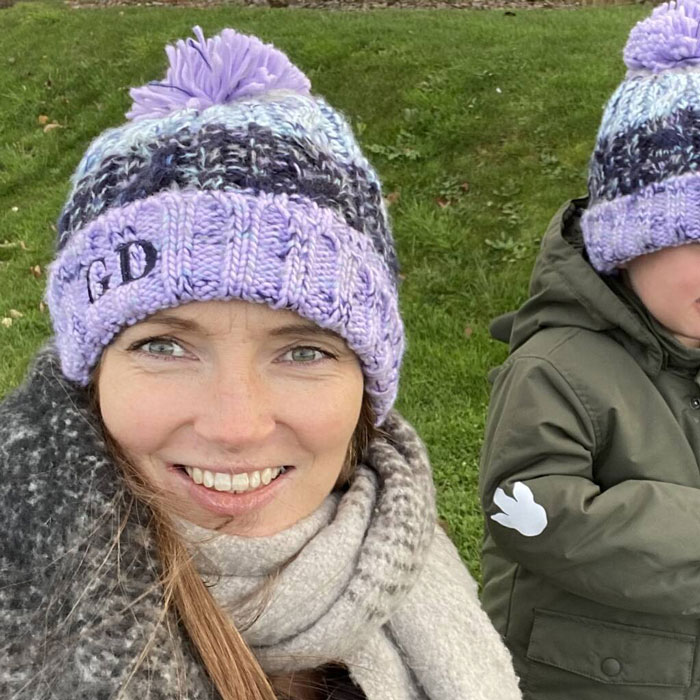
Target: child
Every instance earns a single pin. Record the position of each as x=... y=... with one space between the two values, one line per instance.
x=590 y=478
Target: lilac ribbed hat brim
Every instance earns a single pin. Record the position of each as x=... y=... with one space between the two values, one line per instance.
x=661 y=215
x=176 y=247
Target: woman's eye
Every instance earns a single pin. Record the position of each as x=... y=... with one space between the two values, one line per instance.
x=162 y=346
x=304 y=354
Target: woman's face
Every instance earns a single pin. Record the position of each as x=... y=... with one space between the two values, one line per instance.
x=233 y=411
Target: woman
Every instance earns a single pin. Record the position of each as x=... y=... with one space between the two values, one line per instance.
x=206 y=492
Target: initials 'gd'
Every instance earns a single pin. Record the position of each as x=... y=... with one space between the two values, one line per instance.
x=99 y=281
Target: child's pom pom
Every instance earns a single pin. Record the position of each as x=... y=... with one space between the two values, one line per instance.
x=669 y=38
x=216 y=71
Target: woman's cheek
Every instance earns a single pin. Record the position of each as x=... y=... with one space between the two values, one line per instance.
x=332 y=406
x=141 y=420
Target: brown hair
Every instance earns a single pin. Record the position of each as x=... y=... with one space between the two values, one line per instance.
x=228 y=660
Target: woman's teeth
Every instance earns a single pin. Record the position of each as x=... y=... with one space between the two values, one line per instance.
x=237 y=483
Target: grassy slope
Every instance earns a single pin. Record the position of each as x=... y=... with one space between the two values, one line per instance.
x=509 y=105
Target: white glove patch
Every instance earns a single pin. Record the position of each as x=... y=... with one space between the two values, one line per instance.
x=520 y=512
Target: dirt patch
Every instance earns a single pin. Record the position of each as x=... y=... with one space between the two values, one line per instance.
x=509 y=6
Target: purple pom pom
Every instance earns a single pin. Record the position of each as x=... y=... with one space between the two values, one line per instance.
x=669 y=38
x=216 y=71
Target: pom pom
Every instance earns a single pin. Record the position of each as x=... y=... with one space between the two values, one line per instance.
x=669 y=38
x=216 y=71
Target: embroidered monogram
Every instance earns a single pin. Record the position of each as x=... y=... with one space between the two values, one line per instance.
x=136 y=259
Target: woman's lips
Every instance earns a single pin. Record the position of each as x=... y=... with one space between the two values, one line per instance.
x=239 y=481
x=226 y=502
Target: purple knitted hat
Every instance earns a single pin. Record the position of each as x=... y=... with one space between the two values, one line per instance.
x=230 y=181
x=644 y=179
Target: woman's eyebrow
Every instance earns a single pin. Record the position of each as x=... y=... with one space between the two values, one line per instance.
x=306 y=329
x=301 y=328
x=183 y=324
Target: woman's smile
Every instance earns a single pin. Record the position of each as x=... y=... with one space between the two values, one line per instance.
x=231 y=495
x=236 y=482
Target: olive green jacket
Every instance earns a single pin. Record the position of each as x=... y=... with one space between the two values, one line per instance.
x=590 y=484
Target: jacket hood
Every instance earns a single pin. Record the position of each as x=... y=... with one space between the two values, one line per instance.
x=565 y=290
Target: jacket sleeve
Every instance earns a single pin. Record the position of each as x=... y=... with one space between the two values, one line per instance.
x=635 y=545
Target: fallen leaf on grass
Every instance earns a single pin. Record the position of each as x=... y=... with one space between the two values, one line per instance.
x=7 y=321
x=36 y=271
x=52 y=126
x=42 y=307
x=43 y=119
x=13 y=244
x=16 y=314
x=392 y=198
x=442 y=202
x=468 y=332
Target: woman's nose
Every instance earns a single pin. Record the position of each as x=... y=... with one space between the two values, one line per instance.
x=237 y=411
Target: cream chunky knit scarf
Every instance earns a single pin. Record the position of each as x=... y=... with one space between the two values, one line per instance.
x=368 y=580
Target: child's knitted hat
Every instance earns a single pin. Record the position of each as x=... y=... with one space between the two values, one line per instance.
x=644 y=179
x=230 y=181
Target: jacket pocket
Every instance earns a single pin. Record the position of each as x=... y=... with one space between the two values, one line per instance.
x=607 y=653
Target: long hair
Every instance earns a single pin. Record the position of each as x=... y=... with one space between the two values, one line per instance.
x=229 y=662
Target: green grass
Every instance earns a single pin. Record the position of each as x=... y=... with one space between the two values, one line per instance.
x=481 y=123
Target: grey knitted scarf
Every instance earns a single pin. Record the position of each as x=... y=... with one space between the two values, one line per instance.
x=81 y=616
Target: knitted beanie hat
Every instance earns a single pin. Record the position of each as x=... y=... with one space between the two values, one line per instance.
x=230 y=181
x=644 y=179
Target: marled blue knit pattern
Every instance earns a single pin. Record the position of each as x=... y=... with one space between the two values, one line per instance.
x=285 y=114
x=217 y=157
x=656 y=150
x=641 y=98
